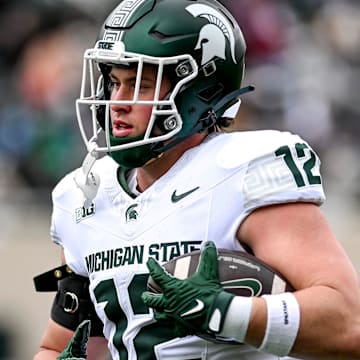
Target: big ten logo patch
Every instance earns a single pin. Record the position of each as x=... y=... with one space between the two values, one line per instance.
x=82 y=213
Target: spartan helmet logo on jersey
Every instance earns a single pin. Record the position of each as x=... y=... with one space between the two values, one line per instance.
x=213 y=36
x=197 y=45
x=131 y=214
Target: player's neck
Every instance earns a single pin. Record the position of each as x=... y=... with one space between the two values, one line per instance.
x=152 y=171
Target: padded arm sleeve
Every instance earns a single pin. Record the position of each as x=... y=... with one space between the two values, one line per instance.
x=72 y=305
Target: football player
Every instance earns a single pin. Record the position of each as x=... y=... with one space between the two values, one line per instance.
x=161 y=180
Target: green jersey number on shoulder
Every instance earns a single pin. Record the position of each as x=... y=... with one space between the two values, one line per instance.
x=148 y=336
x=296 y=163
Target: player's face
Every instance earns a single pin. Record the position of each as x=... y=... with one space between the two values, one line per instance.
x=132 y=120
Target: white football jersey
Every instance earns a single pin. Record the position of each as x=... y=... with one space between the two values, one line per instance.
x=206 y=195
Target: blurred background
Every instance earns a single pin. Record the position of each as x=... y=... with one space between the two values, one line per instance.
x=303 y=58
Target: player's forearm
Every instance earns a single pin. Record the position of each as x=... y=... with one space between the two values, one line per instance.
x=329 y=327
x=330 y=324
x=46 y=354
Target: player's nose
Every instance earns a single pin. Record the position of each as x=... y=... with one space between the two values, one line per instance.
x=123 y=97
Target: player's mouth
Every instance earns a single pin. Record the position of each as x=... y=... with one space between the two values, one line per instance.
x=121 y=129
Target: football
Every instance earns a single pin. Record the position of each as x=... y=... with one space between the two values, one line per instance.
x=239 y=272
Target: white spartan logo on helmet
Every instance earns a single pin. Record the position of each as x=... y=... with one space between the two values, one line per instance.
x=215 y=33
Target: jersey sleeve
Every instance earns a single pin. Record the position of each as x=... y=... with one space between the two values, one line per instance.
x=62 y=229
x=288 y=171
x=59 y=196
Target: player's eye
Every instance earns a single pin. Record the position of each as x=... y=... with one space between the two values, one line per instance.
x=144 y=87
x=114 y=85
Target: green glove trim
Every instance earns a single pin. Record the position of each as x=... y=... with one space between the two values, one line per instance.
x=219 y=310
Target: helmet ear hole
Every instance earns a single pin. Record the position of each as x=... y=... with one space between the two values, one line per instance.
x=211 y=92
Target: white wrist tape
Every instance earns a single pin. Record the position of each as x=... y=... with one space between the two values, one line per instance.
x=283 y=321
x=237 y=318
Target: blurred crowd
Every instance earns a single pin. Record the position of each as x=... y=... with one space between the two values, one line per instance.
x=303 y=58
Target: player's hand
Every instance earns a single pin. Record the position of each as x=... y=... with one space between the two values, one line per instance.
x=76 y=348
x=198 y=304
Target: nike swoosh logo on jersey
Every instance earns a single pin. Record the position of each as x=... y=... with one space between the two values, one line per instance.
x=177 y=197
x=197 y=308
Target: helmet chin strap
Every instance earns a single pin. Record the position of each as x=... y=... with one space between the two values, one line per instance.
x=88 y=181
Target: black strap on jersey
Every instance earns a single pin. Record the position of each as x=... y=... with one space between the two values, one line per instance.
x=72 y=303
x=48 y=281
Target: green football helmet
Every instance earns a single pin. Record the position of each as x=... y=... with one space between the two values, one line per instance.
x=197 y=44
